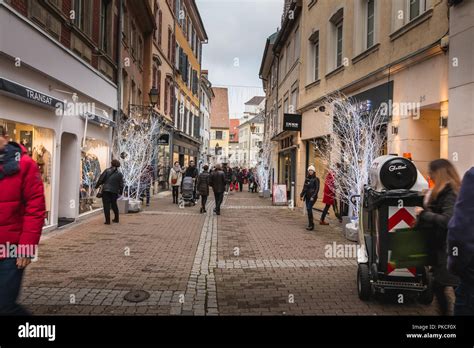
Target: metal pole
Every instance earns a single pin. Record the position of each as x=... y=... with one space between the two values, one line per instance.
x=292 y=195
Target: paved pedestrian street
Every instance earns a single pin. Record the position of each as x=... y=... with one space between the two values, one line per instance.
x=253 y=259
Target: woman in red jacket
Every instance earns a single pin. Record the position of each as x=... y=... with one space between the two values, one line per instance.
x=329 y=198
x=22 y=213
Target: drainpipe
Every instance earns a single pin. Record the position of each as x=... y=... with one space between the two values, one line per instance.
x=119 y=72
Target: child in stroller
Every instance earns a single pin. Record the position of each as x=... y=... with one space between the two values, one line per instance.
x=187 y=191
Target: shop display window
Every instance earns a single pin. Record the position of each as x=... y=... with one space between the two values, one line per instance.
x=39 y=142
x=94 y=160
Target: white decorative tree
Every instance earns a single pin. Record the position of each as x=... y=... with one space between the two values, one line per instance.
x=136 y=148
x=357 y=138
x=263 y=168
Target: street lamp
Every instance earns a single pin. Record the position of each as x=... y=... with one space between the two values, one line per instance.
x=154 y=96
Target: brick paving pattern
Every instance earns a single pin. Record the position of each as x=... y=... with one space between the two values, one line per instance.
x=254 y=259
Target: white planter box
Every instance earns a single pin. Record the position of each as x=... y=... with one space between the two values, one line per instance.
x=134 y=206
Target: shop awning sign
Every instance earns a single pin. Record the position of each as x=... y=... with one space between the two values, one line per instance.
x=164 y=139
x=99 y=120
x=292 y=122
x=29 y=94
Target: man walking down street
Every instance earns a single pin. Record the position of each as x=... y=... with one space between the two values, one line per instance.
x=22 y=214
x=218 y=186
x=112 y=184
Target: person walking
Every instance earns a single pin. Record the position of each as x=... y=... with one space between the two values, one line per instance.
x=146 y=180
x=217 y=183
x=309 y=194
x=434 y=217
x=241 y=179
x=228 y=178
x=176 y=176
x=22 y=214
x=329 y=198
x=203 y=187
x=461 y=246
x=111 y=181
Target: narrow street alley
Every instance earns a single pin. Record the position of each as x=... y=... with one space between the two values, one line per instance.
x=253 y=259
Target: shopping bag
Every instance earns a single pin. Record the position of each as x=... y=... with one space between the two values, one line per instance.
x=232 y=186
x=236 y=186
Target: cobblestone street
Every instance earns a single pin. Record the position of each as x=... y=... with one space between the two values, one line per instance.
x=254 y=259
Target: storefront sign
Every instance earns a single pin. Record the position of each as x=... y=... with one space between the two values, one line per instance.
x=164 y=139
x=292 y=122
x=280 y=194
x=99 y=120
x=30 y=94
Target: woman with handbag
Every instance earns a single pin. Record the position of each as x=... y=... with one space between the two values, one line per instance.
x=433 y=218
x=110 y=187
x=176 y=175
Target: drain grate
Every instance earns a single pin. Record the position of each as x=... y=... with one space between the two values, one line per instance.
x=137 y=296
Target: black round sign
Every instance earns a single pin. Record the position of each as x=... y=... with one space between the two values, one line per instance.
x=398 y=173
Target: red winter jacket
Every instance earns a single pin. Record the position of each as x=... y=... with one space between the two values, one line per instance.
x=328 y=197
x=22 y=203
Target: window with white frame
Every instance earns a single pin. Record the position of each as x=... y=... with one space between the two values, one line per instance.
x=314 y=54
x=336 y=44
x=370 y=38
x=339 y=42
x=416 y=8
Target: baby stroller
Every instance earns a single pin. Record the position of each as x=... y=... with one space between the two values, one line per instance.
x=187 y=191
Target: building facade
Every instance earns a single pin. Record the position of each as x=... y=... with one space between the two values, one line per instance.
x=250 y=141
x=219 y=142
x=384 y=54
x=63 y=113
x=190 y=35
x=205 y=97
x=234 y=150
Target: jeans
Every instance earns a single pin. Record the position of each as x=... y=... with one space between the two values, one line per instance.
x=219 y=197
x=10 y=285
x=146 y=193
x=203 y=202
x=175 y=194
x=241 y=185
x=109 y=199
x=309 y=208
x=464 y=304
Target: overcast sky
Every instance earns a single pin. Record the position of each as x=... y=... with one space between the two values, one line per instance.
x=237 y=31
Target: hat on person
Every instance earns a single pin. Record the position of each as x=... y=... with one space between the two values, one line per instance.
x=311 y=167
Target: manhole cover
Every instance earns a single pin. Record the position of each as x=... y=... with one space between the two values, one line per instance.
x=136 y=296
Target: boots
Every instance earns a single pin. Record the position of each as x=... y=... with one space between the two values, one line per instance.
x=310 y=221
x=322 y=222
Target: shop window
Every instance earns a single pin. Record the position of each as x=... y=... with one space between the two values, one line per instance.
x=39 y=142
x=94 y=160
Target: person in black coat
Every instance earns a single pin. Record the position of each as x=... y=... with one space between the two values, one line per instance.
x=310 y=194
x=217 y=183
x=434 y=218
x=203 y=182
x=111 y=181
x=461 y=246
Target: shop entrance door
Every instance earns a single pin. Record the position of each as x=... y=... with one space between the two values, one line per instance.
x=68 y=181
x=287 y=170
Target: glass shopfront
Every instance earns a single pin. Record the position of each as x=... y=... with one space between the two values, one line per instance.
x=163 y=165
x=39 y=142
x=94 y=160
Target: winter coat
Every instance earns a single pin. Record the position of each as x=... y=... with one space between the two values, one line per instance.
x=147 y=177
x=434 y=220
x=22 y=202
x=461 y=232
x=218 y=181
x=240 y=177
x=310 y=188
x=203 y=183
x=192 y=172
x=228 y=175
x=112 y=181
x=328 y=196
x=175 y=172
